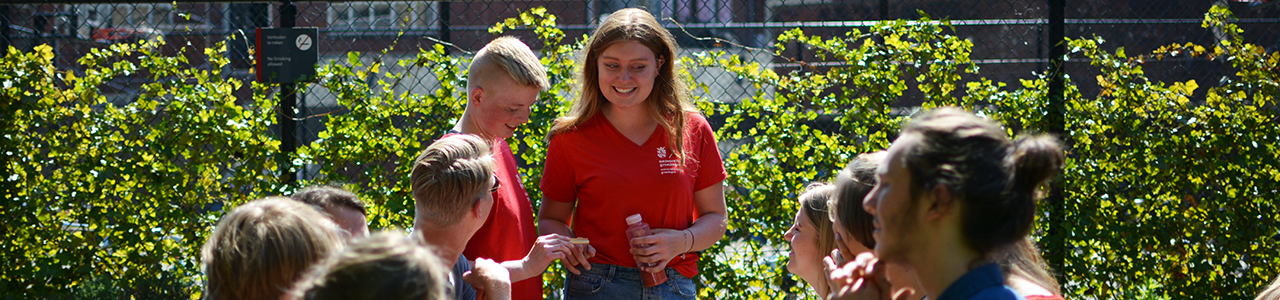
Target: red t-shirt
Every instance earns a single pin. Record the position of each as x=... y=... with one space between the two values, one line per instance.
x=508 y=234
x=611 y=178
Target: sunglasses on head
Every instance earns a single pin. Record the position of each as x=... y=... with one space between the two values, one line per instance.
x=496 y=184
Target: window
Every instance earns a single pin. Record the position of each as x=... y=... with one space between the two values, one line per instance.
x=382 y=15
x=699 y=11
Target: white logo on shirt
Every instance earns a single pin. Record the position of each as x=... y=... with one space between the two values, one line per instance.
x=667 y=166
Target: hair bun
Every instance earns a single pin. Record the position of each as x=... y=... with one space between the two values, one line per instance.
x=1035 y=160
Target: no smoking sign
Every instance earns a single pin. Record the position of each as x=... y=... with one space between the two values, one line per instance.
x=304 y=42
x=286 y=55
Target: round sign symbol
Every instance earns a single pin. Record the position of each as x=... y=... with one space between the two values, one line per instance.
x=303 y=42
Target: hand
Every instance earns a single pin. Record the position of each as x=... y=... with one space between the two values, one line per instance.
x=554 y=246
x=838 y=257
x=844 y=250
x=545 y=250
x=863 y=278
x=490 y=280
x=661 y=246
x=830 y=264
x=577 y=256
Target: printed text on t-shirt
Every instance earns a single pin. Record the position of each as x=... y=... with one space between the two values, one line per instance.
x=667 y=166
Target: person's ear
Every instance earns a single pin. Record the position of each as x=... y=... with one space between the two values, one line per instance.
x=482 y=207
x=939 y=202
x=475 y=95
x=658 y=70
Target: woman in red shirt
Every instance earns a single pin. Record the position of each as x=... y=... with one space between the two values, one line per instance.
x=633 y=143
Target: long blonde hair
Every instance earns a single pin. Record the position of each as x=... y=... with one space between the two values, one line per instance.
x=813 y=203
x=1022 y=258
x=669 y=102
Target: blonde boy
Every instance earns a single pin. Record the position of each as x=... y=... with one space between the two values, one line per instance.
x=452 y=182
x=503 y=83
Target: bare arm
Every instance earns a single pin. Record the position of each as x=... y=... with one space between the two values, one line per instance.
x=553 y=218
x=712 y=217
x=547 y=249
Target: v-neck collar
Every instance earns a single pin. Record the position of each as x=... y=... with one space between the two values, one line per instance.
x=652 y=135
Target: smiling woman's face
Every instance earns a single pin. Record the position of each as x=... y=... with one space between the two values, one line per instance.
x=627 y=71
x=805 y=257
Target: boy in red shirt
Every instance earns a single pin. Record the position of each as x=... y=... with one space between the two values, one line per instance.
x=503 y=82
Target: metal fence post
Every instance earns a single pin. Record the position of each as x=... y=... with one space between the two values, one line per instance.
x=884 y=10
x=1057 y=246
x=288 y=104
x=4 y=28
x=445 y=18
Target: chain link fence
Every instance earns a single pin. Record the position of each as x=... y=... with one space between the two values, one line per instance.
x=1142 y=26
x=1011 y=38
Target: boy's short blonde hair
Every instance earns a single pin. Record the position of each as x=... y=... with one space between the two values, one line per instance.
x=449 y=177
x=507 y=55
x=386 y=265
x=262 y=247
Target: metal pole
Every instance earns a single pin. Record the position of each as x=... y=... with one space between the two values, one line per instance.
x=4 y=29
x=444 y=23
x=38 y=22
x=1057 y=116
x=592 y=13
x=288 y=103
x=884 y=9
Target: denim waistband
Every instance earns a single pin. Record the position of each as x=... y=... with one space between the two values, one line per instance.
x=609 y=272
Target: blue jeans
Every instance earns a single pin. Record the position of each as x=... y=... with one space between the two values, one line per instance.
x=617 y=282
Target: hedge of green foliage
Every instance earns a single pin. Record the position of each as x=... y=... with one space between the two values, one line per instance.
x=1167 y=196
x=117 y=198
x=1174 y=189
